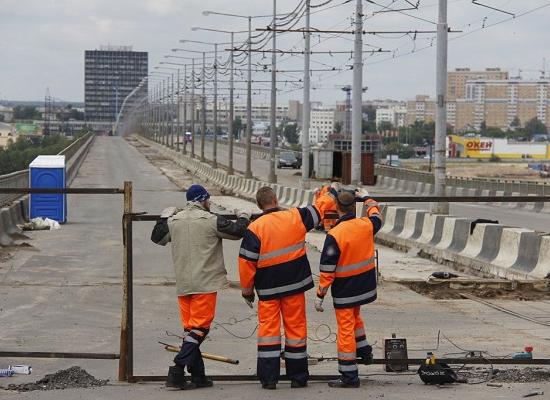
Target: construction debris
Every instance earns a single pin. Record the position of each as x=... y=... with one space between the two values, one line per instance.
x=528 y=374
x=74 y=377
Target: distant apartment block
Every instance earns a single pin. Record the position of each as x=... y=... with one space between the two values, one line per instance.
x=422 y=108
x=321 y=125
x=111 y=73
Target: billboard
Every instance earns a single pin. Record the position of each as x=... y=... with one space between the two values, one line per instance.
x=26 y=128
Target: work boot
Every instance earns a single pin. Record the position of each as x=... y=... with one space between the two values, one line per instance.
x=365 y=356
x=202 y=381
x=269 y=386
x=297 y=384
x=339 y=383
x=176 y=379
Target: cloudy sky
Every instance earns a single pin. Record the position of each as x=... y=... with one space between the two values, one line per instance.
x=43 y=41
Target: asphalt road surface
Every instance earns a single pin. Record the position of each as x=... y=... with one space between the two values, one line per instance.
x=64 y=294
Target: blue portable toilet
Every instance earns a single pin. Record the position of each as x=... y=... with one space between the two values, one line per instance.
x=48 y=172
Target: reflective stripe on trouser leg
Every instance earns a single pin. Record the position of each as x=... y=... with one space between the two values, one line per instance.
x=294 y=319
x=190 y=357
x=347 y=365
x=269 y=340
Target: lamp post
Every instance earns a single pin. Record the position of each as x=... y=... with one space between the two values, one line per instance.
x=248 y=171
x=230 y=169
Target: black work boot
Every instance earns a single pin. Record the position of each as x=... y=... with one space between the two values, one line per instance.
x=294 y=384
x=365 y=356
x=176 y=379
x=202 y=381
x=339 y=383
x=269 y=386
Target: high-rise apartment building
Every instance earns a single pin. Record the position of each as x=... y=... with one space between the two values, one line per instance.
x=456 y=80
x=498 y=102
x=422 y=108
x=111 y=73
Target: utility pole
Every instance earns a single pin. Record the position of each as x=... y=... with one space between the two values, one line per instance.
x=193 y=108
x=185 y=109
x=171 y=113
x=307 y=104
x=248 y=172
x=441 y=110
x=215 y=110
x=230 y=170
x=163 y=112
x=357 y=93
x=178 y=109
x=272 y=178
x=203 y=102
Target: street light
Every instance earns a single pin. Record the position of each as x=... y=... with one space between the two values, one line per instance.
x=215 y=108
x=230 y=169
x=248 y=172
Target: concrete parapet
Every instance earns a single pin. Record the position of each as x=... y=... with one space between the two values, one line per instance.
x=413 y=220
x=509 y=247
x=542 y=269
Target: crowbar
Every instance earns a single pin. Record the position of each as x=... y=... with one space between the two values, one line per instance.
x=214 y=357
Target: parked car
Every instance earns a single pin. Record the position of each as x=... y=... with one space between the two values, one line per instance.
x=288 y=159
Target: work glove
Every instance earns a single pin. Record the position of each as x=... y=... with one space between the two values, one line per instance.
x=336 y=186
x=362 y=193
x=168 y=212
x=315 y=191
x=242 y=214
x=249 y=300
x=319 y=304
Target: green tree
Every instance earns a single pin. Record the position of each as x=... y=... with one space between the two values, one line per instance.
x=403 y=151
x=516 y=123
x=535 y=127
x=290 y=132
x=483 y=127
x=237 y=126
x=385 y=126
x=494 y=132
x=25 y=112
x=338 y=127
x=368 y=126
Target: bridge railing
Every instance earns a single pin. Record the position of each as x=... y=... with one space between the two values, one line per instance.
x=525 y=187
x=74 y=154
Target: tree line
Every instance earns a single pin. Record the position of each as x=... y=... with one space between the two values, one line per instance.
x=17 y=155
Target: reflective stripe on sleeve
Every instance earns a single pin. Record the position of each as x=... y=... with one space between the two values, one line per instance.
x=286 y=288
x=351 y=267
x=327 y=268
x=314 y=215
x=354 y=299
x=249 y=254
x=283 y=251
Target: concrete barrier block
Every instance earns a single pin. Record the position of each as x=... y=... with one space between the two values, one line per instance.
x=475 y=241
x=393 y=184
x=509 y=247
x=389 y=219
x=432 y=228
x=308 y=198
x=419 y=190
x=413 y=219
x=5 y=224
x=428 y=189
x=401 y=185
x=542 y=269
x=15 y=219
x=529 y=252
x=460 y=235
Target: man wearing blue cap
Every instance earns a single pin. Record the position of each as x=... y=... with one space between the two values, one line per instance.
x=196 y=235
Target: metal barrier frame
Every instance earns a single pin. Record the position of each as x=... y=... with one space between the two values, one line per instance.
x=125 y=356
x=126 y=191
x=126 y=364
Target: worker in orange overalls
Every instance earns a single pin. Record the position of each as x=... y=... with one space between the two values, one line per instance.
x=325 y=198
x=200 y=273
x=348 y=268
x=273 y=260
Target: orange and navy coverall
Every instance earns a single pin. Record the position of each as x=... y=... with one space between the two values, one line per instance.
x=348 y=268
x=326 y=200
x=273 y=260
